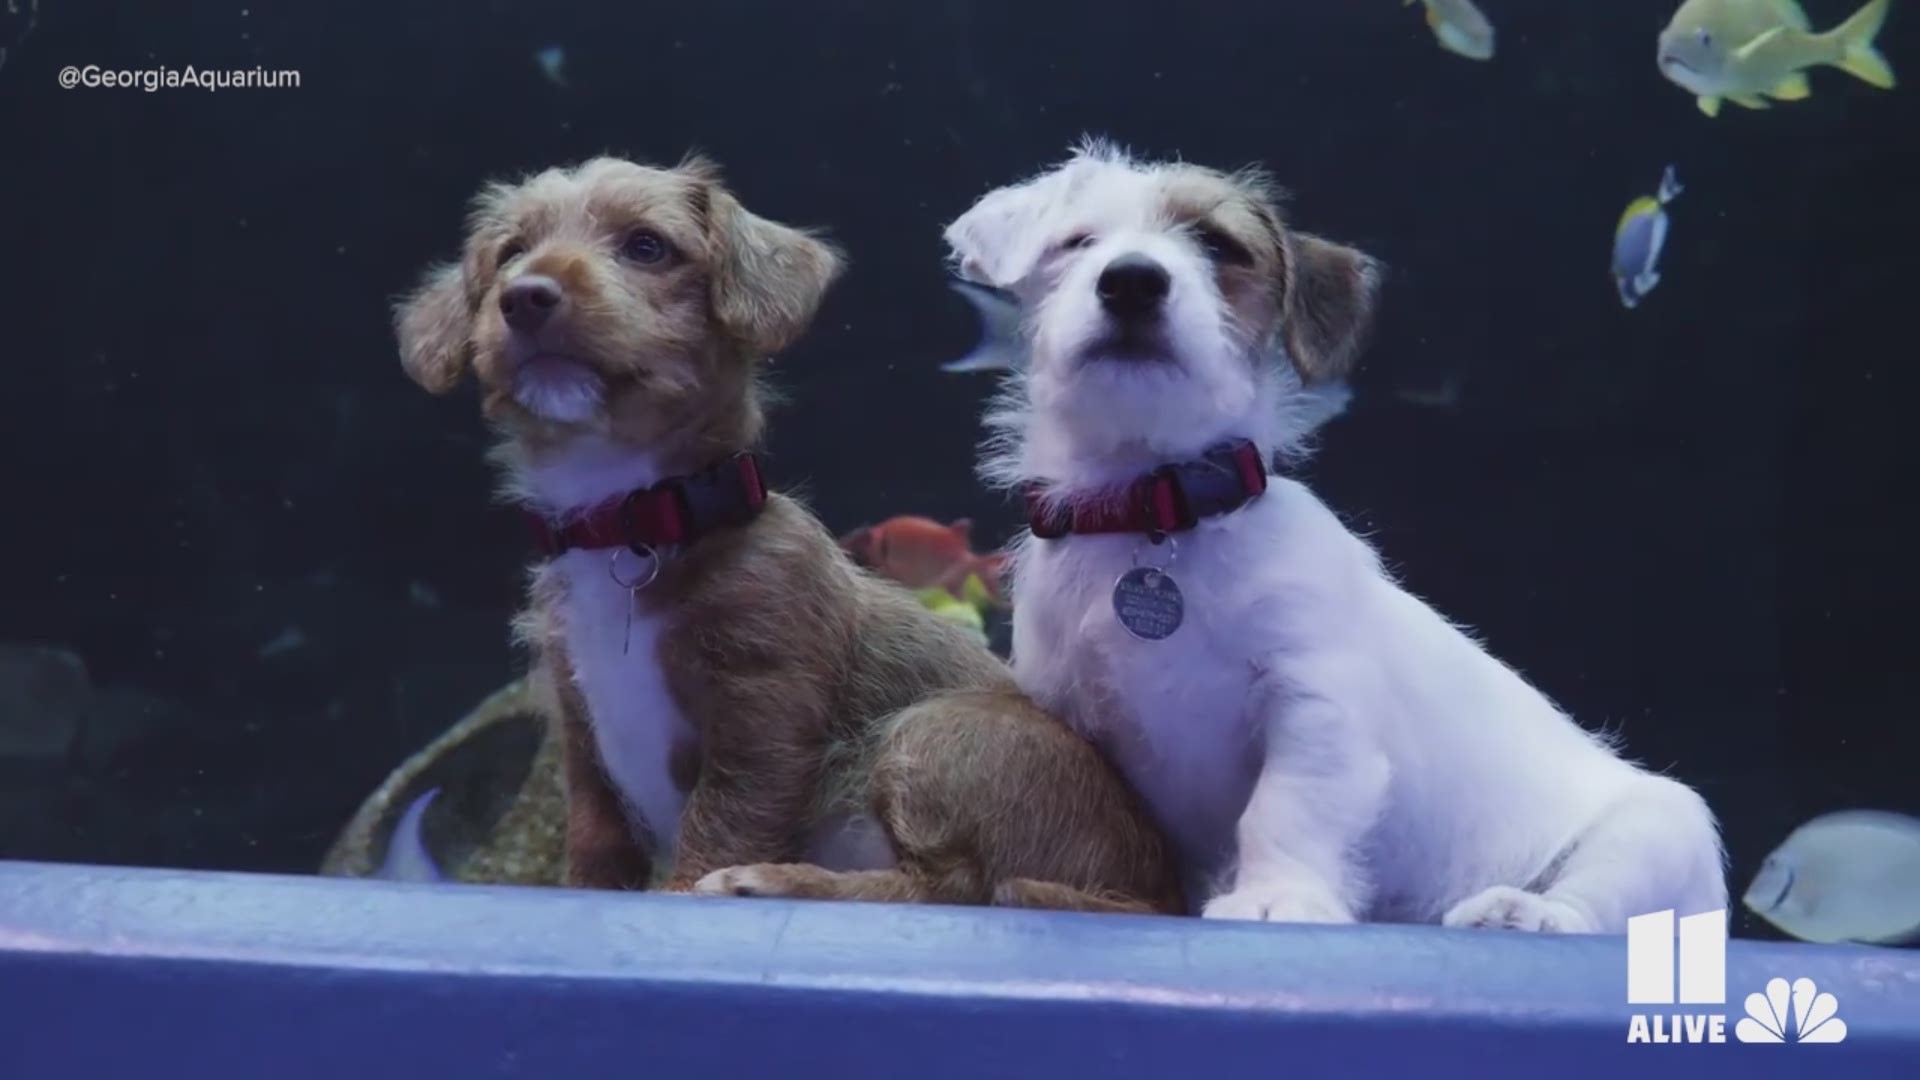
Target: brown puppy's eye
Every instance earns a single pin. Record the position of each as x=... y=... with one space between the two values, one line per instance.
x=509 y=251
x=1224 y=250
x=646 y=247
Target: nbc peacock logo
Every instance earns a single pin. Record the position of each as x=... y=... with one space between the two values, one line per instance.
x=1786 y=1013
x=1815 y=1017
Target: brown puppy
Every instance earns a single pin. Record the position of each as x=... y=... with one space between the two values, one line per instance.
x=746 y=711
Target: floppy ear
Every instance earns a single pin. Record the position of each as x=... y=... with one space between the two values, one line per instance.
x=435 y=326
x=768 y=278
x=999 y=240
x=1329 y=306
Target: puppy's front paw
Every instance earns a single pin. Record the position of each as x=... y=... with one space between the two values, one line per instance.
x=762 y=879
x=1506 y=908
x=1278 y=902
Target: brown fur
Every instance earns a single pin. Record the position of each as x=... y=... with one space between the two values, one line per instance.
x=1320 y=293
x=815 y=689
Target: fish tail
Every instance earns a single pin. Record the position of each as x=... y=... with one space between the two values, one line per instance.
x=1858 y=57
x=1670 y=186
x=407 y=856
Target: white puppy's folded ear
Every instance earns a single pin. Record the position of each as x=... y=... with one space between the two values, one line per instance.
x=1000 y=240
x=1331 y=293
x=435 y=328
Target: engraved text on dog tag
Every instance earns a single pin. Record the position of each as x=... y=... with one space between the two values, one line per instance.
x=1148 y=603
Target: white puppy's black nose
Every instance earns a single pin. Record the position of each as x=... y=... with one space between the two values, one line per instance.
x=529 y=301
x=1132 y=286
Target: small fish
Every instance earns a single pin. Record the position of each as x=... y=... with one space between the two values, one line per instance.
x=944 y=604
x=1460 y=27
x=286 y=641
x=1746 y=51
x=1444 y=396
x=407 y=856
x=1002 y=346
x=1639 y=239
x=1848 y=876
x=553 y=62
x=921 y=553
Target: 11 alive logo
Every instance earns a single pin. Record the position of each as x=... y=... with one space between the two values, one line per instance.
x=1785 y=1013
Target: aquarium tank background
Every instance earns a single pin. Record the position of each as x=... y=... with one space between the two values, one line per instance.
x=248 y=567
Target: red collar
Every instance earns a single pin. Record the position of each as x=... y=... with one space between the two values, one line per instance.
x=677 y=510
x=1171 y=498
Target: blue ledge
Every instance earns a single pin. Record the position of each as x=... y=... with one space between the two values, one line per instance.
x=116 y=973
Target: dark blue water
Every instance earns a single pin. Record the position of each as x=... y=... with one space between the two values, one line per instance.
x=1689 y=522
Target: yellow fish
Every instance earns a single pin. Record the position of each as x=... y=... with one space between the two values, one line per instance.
x=1747 y=51
x=942 y=603
x=1459 y=27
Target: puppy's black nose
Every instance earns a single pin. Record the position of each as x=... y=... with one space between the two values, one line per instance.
x=1133 y=285
x=529 y=301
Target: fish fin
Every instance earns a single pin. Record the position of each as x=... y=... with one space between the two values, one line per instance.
x=962 y=528
x=1628 y=298
x=1793 y=13
x=407 y=857
x=1670 y=186
x=1000 y=347
x=975 y=592
x=1746 y=52
x=1709 y=105
x=1858 y=57
x=990 y=575
x=1749 y=101
x=985 y=358
x=1792 y=88
x=1643 y=283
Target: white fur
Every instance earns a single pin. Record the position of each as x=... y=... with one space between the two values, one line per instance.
x=612 y=643
x=560 y=390
x=1320 y=744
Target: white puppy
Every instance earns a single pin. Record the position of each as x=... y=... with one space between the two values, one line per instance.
x=1320 y=744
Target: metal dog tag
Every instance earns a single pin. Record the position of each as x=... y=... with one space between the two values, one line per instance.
x=1148 y=603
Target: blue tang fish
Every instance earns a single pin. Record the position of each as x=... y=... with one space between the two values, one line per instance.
x=1639 y=239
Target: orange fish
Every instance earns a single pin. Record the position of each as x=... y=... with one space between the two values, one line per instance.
x=921 y=553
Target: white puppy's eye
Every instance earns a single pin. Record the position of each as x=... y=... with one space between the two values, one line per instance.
x=509 y=251
x=1224 y=250
x=1075 y=242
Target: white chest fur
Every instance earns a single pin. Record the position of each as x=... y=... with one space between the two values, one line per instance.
x=613 y=645
x=1175 y=715
x=615 y=653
